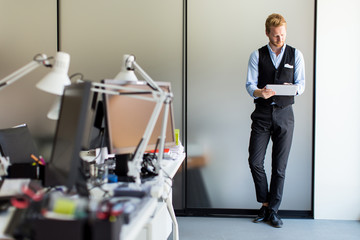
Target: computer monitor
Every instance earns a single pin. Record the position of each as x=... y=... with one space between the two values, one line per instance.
x=95 y=136
x=64 y=167
x=127 y=118
x=15 y=138
x=18 y=144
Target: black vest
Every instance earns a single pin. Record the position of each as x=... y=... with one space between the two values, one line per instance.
x=268 y=74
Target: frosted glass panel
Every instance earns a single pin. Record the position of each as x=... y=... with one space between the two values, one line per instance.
x=98 y=33
x=220 y=41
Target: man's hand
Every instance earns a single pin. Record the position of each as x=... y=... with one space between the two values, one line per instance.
x=264 y=93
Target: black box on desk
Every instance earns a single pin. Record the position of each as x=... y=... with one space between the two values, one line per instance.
x=105 y=229
x=55 y=229
x=121 y=164
x=26 y=170
x=84 y=229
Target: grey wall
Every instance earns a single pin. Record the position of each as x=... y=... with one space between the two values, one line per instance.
x=98 y=33
x=26 y=28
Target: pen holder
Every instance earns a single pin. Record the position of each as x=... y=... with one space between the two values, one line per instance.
x=26 y=170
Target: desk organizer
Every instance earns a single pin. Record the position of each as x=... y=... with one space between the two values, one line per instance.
x=26 y=170
x=54 y=229
x=103 y=229
x=84 y=229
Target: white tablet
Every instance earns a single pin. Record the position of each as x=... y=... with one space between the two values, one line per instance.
x=283 y=89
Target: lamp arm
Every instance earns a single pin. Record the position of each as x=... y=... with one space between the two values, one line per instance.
x=146 y=77
x=18 y=74
x=129 y=94
x=163 y=131
x=13 y=77
x=110 y=89
x=117 y=87
x=160 y=98
x=135 y=168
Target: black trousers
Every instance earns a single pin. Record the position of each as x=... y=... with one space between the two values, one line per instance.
x=278 y=124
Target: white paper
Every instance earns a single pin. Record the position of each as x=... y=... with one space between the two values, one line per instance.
x=11 y=187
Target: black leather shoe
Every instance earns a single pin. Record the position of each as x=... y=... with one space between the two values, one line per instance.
x=263 y=215
x=275 y=220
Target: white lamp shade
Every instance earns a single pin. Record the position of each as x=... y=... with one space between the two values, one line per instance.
x=55 y=81
x=126 y=74
x=54 y=111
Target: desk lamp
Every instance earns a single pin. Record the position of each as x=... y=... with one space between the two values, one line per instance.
x=157 y=95
x=53 y=82
x=127 y=73
x=161 y=98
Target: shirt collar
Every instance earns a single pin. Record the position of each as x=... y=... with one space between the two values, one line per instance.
x=282 y=48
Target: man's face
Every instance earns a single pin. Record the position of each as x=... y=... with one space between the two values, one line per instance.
x=277 y=36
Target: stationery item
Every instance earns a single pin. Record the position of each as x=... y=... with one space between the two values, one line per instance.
x=13 y=187
x=177 y=133
x=39 y=160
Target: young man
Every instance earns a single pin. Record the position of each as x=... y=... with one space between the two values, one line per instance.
x=275 y=63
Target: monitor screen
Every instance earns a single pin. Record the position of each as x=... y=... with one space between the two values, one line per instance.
x=64 y=167
x=127 y=119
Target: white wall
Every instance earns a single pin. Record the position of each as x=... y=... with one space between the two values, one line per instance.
x=337 y=160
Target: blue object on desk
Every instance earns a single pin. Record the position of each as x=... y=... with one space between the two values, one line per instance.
x=112 y=178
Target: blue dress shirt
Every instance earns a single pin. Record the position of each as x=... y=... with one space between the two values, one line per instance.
x=253 y=69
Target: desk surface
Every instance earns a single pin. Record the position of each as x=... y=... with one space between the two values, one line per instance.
x=170 y=167
x=131 y=230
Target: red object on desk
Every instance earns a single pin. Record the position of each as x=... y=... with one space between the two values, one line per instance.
x=29 y=194
x=166 y=150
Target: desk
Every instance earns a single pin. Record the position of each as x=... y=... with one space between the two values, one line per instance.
x=170 y=167
x=146 y=226
x=151 y=214
x=131 y=231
